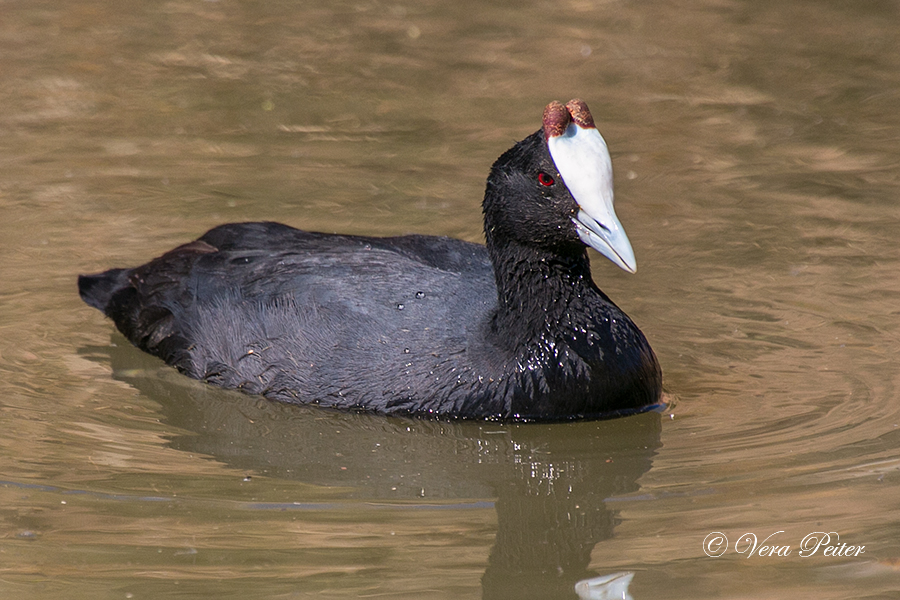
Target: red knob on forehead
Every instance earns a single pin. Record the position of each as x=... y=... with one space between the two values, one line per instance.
x=556 y=119
x=580 y=112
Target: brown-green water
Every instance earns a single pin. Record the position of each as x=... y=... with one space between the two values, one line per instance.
x=757 y=156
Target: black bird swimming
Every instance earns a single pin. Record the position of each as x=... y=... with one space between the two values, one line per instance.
x=414 y=325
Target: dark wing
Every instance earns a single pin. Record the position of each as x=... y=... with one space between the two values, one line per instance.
x=265 y=307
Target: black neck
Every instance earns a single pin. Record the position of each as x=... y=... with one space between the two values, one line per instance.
x=536 y=289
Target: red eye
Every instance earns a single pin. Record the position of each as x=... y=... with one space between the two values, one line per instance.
x=545 y=179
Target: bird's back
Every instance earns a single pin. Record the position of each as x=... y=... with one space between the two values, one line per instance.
x=308 y=317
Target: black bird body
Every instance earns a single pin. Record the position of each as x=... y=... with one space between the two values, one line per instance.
x=414 y=325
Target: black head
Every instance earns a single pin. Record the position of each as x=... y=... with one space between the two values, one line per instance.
x=552 y=191
x=526 y=201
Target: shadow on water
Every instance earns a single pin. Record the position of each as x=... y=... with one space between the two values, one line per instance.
x=549 y=483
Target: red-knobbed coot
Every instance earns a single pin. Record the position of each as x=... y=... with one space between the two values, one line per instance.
x=413 y=325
